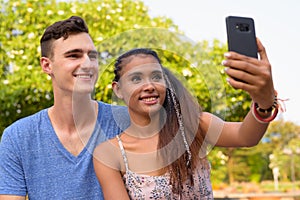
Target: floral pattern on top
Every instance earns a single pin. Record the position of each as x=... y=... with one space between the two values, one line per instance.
x=145 y=187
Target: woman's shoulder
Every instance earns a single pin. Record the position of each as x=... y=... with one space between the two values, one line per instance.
x=210 y=120
x=107 y=147
x=108 y=153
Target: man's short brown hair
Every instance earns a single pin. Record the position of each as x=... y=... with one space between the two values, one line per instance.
x=70 y=26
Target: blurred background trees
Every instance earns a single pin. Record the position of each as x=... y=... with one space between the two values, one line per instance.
x=117 y=26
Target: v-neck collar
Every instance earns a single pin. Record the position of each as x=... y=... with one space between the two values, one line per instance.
x=61 y=147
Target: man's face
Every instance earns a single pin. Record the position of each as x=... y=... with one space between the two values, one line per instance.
x=74 y=65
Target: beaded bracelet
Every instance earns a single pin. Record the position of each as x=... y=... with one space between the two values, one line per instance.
x=266 y=110
x=255 y=108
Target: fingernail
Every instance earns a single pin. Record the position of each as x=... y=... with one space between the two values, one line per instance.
x=225 y=69
x=227 y=55
x=228 y=80
x=224 y=62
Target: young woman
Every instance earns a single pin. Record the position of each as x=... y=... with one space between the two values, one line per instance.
x=162 y=154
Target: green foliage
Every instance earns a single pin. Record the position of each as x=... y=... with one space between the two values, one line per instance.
x=278 y=148
x=284 y=140
x=23 y=87
x=218 y=162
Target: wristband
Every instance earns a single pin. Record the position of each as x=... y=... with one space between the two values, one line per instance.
x=278 y=104
x=268 y=110
x=255 y=109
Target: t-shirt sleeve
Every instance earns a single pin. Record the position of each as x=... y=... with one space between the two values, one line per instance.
x=12 y=179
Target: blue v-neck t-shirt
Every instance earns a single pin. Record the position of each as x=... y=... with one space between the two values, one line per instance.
x=33 y=161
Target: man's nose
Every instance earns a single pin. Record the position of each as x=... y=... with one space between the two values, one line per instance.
x=86 y=62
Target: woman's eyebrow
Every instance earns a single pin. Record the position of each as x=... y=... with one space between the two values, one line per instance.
x=134 y=73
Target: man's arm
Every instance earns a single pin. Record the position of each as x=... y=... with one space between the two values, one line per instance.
x=12 y=183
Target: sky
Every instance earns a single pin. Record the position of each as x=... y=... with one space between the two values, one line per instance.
x=277 y=24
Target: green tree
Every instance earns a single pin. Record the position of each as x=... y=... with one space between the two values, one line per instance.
x=284 y=139
x=278 y=148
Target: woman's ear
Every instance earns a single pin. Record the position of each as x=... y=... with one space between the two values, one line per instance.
x=116 y=89
x=46 y=65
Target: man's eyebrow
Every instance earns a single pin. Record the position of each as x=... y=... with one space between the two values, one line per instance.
x=93 y=52
x=80 y=51
x=73 y=51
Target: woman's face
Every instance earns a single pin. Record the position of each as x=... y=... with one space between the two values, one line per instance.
x=141 y=85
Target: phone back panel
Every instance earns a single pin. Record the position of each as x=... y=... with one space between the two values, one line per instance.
x=241 y=36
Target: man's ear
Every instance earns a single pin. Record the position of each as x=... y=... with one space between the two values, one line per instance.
x=46 y=65
x=116 y=89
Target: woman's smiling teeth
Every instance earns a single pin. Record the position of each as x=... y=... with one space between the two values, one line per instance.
x=83 y=76
x=149 y=99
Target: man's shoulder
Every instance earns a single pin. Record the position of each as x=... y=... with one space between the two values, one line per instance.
x=28 y=122
x=110 y=106
x=112 y=118
x=110 y=109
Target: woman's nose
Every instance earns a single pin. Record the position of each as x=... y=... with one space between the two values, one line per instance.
x=149 y=86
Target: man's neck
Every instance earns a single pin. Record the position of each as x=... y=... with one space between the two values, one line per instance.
x=73 y=113
x=74 y=122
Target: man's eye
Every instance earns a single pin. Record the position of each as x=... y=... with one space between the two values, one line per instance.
x=72 y=56
x=93 y=56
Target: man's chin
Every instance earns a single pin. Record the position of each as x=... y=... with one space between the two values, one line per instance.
x=83 y=91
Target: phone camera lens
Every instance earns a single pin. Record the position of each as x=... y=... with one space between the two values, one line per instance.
x=243 y=27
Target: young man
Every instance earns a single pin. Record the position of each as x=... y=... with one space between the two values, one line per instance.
x=48 y=155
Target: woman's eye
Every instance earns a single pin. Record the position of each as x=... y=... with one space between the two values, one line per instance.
x=157 y=77
x=136 y=79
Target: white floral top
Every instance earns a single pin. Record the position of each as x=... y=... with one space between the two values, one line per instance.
x=144 y=187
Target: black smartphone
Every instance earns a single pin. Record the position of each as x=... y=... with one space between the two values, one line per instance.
x=241 y=36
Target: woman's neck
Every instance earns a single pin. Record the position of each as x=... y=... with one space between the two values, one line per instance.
x=144 y=127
